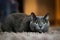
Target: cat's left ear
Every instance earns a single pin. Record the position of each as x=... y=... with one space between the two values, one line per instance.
x=33 y=16
x=46 y=16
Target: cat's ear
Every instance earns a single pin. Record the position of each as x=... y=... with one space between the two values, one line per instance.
x=33 y=16
x=46 y=16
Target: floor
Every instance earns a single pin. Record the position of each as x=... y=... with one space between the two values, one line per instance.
x=53 y=34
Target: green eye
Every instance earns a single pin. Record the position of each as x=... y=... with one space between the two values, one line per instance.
x=35 y=22
x=43 y=22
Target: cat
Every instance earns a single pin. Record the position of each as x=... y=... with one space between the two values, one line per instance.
x=40 y=23
x=20 y=22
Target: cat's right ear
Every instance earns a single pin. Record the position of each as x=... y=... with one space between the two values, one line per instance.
x=33 y=16
x=46 y=16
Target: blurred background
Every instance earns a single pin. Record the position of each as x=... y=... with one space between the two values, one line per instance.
x=39 y=7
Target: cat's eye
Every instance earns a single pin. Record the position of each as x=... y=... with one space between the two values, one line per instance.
x=35 y=22
x=43 y=22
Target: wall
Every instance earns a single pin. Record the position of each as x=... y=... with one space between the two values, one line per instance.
x=57 y=12
x=41 y=7
x=30 y=6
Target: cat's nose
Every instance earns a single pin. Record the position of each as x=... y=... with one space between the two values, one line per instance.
x=40 y=26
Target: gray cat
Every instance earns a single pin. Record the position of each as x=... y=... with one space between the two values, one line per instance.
x=20 y=22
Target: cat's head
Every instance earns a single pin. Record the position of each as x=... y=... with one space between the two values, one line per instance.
x=39 y=23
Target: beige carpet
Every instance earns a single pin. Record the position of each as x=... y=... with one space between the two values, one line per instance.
x=53 y=34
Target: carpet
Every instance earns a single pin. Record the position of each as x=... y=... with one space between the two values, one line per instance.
x=53 y=34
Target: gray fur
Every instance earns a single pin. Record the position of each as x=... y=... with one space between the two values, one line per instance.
x=40 y=26
x=20 y=22
x=44 y=27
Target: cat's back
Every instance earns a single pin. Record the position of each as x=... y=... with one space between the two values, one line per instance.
x=17 y=18
x=17 y=15
x=14 y=21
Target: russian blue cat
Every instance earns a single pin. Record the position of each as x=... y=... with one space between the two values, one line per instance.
x=39 y=23
x=20 y=22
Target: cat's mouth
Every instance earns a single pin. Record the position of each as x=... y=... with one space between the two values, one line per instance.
x=39 y=30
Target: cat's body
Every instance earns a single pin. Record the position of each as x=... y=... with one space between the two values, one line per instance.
x=20 y=22
x=16 y=23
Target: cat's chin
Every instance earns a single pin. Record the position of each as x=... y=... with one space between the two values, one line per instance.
x=40 y=32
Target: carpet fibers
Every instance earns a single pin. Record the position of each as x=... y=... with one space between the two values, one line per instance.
x=53 y=34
